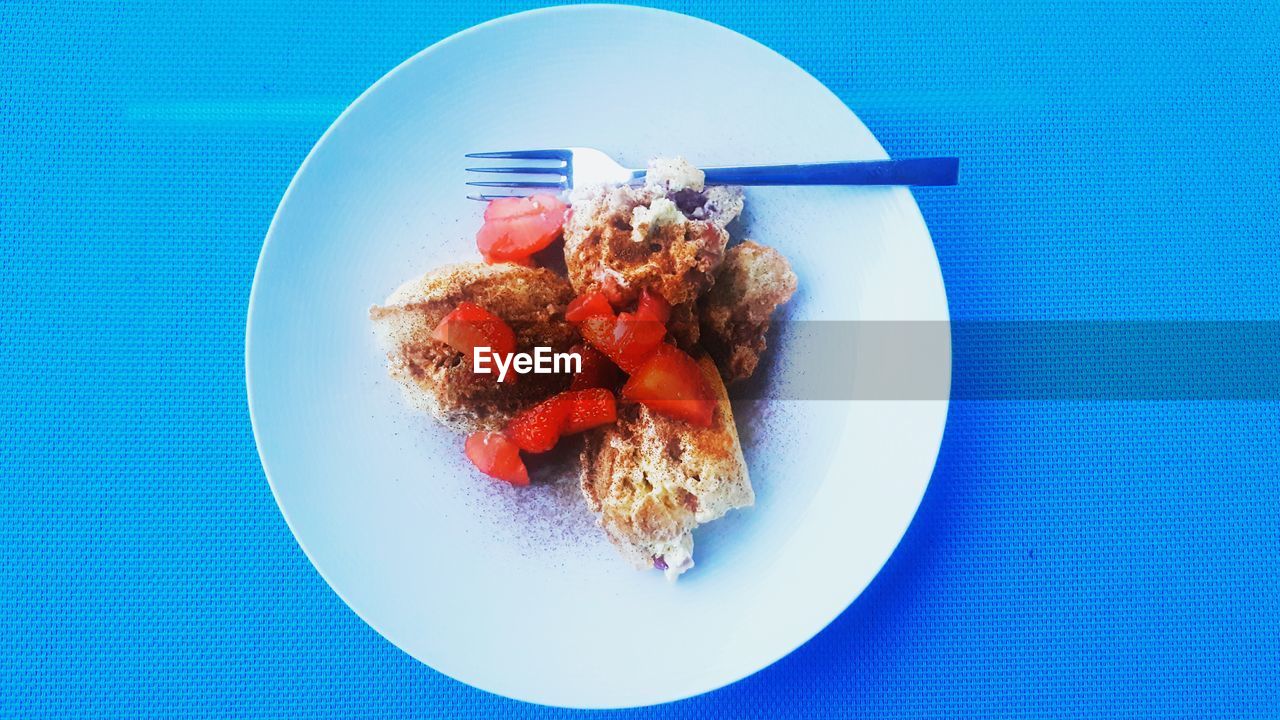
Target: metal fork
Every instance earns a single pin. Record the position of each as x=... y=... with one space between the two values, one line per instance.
x=578 y=166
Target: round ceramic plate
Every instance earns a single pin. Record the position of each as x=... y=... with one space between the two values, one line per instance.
x=515 y=590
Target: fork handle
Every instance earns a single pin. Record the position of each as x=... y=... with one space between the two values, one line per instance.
x=912 y=171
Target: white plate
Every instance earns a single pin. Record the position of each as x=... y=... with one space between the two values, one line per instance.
x=515 y=591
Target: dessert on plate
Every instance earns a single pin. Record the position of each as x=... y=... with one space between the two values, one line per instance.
x=657 y=313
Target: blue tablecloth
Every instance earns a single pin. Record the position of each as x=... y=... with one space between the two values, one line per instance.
x=1073 y=556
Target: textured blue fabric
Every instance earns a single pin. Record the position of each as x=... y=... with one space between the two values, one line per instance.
x=1071 y=558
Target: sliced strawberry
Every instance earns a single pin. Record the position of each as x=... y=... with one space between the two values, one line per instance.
x=505 y=208
x=598 y=332
x=597 y=370
x=634 y=339
x=510 y=207
x=537 y=429
x=626 y=339
x=589 y=409
x=653 y=306
x=497 y=456
x=589 y=305
x=671 y=383
x=515 y=228
x=470 y=326
x=514 y=239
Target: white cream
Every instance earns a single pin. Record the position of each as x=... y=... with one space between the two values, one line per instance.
x=646 y=220
x=678 y=555
x=672 y=174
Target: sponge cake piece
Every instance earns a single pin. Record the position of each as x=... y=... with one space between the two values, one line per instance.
x=667 y=236
x=652 y=479
x=438 y=379
x=751 y=284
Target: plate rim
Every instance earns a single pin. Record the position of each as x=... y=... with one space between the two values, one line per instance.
x=272 y=229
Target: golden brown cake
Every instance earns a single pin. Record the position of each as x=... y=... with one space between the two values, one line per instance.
x=652 y=479
x=668 y=235
x=438 y=379
x=735 y=314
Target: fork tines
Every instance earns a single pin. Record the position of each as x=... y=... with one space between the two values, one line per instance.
x=523 y=155
x=561 y=169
